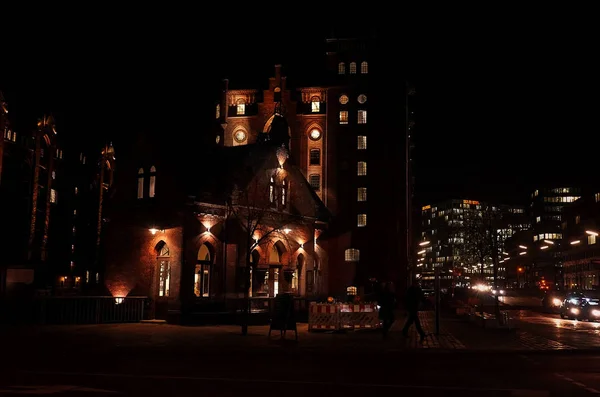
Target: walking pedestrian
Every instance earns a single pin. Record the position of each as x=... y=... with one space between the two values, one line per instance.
x=414 y=297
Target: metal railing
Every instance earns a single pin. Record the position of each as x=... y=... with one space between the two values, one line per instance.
x=76 y=310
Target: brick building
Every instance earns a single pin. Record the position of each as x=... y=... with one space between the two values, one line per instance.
x=51 y=196
x=339 y=122
x=190 y=245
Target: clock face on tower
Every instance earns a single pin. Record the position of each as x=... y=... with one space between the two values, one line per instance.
x=240 y=136
x=315 y=134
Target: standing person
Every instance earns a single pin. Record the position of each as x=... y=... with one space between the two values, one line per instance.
x=414 y=297
x=387 y=302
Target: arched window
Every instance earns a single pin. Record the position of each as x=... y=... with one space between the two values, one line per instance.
x=164 y=268
x=9 y=135
x=352 y=255
x=140 y=192
x=315 y=182
x=241 y=106
x=315 y=157
x=352 y=67
x=152 y=191
x=218 y=111
x=283 y=192
x=315 y=104
x=362 y=168
x=202 y=273
x=341 y=68
x=364 y=67
x=272 y=191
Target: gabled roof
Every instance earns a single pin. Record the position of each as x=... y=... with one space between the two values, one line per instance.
x=236 y=166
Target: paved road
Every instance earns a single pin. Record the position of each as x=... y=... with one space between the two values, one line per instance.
x=149 y=360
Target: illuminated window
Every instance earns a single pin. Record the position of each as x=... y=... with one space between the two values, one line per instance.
x=272 y=191
x=341 y=68
x=164 y=271
x=315 y=157
x=577 y=219
x=315 y=134
x=362 y=194
x=315 y=104
x=9 y=135
x=362 y=98
x=53 y=174
x=343 y=117
x=352 y=255
x=352 y=67
x=140 y=188
x=592 y=239
x=362 y=168
x=240 y=136
x=315 y=182
x=361 y=220
x=76 y=190
x=362 y=117
x=362 y=142
x=597 y=197
x=538 y=219
x=283 y=192
x=344 y=99
x=202 y=273
x=364 y=67
x=52 y=196
x=152 y=191
x=351 y=291
x=14 y=139
x=218 y=138
x=218 y=111
x=241 y=106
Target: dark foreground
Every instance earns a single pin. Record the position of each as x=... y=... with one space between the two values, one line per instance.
x=157 y=360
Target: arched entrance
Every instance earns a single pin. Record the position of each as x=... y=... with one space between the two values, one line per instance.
x=269 y=279
x=202 y=271
x=163 y=256
x=296 y=275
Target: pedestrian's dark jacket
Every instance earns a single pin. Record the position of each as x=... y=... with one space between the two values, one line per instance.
x=414 y=297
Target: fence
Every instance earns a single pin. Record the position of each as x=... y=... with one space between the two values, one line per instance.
x=76 y=310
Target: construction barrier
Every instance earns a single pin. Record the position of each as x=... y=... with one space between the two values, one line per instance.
x=343 y=316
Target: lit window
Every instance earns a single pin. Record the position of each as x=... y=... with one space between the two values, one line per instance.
x=241 y=106
x=362 y=194
x=597 y=197
x=240 y=136
x=352 y=67
x=341 y=68
x=315 y=157
x=351 y=291
x=14 y=138
x=53 y=174
x=283 y=192
x=164 y=281
x=352 y=255
x=52 y=196
x=343 y=117
x=218 y=138
x=315 y=182
x=76 y=190
x=362 y=142
x=152 y=191
x=361 y=220
x=538 y=219
x=315 y=105
x=9 y=135
x=344 y=99
x=140 y=188
x=218 y=111
x=272 y=191
x=362 y=117
x=364 y=67
x=87 y=276
x=362 y=168
x=592 y=239
x=315 y=134
x=362 y=98
x=577 y=219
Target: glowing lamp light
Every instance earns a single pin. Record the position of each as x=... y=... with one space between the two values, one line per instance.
x=549 y=242
x=424 y=243
x=575 y=242
x=153 y=231
x=523 y=247
x=545 y=247
x=287 y=231
x=522 y=253
x=591 y=233
x=421 y=252
x=119 y=300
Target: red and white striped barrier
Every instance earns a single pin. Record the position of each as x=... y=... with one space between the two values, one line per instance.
x=338 y=316
x=323 y=316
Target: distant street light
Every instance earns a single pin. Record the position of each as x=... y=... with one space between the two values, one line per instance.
x=523 y=247
x=424 y=243
x=575 y=242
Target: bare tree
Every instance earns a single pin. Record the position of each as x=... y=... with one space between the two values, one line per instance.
x=481 y=241
x=260 y=209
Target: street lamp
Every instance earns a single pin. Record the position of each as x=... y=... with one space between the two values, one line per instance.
x=575 y=242
x=424 y=243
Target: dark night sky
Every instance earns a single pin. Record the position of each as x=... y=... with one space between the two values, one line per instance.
x=499 y=107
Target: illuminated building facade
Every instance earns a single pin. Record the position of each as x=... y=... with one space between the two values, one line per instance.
x=336 y=139
x=581 y=247
x=249 y=226
x=53 y=200
x=444 y=237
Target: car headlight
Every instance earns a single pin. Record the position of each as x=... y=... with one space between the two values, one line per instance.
x=556 y=302
x=596 y=313
x=574 y=310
